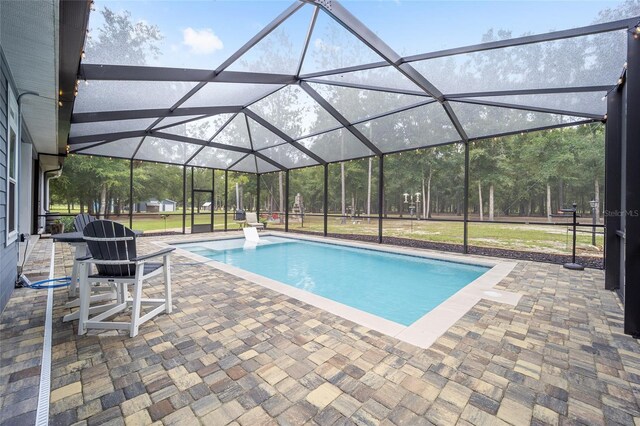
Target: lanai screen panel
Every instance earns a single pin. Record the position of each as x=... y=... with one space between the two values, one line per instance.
x=114 y=95
x=265 y=167
x=279 y=52
x=247 y=165
x=203 y=128
x=235 y=133
x=221 y=94
x=360 y=98
x=289 y=156
x=294 y=112
x=481 y=120
x=173 y=120
x=164 y=18
x=167 y=151
x=418 y=127
x=117 y=126
x=124 y=147
x=578 y=61
x=262 y=137
x=358 y=104
x=337 y=145
x=586 y=102
x=332 y=46
x=215 y=158
x=384 y=77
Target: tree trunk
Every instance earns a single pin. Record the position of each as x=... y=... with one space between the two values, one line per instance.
x=237 y=196
x=424 y=199
x=103 y=200
x=561 y=194
x=344 y=201
x=480 y=200
x=427 y=210
x=353 y=206
x=69 y=206
x=369 y=192
x=108 y=207
x=491 y=202
x=548 y=202
x=596 y=187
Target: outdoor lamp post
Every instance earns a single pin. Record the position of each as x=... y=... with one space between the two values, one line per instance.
x=594 y=209
x=413 y=200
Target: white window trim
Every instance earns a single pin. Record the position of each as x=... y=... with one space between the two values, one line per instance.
x=15 y=124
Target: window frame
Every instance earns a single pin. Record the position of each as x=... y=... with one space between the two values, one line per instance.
x=13 y=125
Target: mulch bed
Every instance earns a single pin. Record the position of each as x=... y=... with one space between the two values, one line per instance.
x=587 y=261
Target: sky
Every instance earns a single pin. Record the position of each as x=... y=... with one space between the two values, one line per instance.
x=202 y=34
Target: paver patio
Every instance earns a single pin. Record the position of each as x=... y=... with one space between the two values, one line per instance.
x=235 y=352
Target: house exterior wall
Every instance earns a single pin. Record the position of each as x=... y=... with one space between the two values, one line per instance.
x=8 y=253
x=25 y=205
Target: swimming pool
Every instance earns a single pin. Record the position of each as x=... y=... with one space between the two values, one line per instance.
x=396 y=287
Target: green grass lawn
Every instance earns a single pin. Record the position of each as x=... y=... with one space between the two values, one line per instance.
x=540 y=238
x=548 y=239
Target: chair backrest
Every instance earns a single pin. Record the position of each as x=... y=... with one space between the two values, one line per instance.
x=252 y=217
x=108 y=240
x=82 y=220
x=251 y=234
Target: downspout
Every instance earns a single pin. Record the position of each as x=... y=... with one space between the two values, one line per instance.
x=19 y=163
x=46 y=184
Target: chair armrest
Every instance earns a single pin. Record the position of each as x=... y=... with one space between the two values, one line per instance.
x=162 y=252
x=83 y=258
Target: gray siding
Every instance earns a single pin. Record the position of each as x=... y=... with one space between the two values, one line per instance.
x=8 y=255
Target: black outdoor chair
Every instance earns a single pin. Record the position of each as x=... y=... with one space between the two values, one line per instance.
x=113 y=252
x=82 y=220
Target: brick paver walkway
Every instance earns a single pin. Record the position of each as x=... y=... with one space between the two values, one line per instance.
x=235 y=352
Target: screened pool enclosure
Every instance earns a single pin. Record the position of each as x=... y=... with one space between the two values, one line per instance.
x=316 y=87
x=273 y=107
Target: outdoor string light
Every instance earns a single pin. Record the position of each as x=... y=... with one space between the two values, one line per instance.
x=635 y=31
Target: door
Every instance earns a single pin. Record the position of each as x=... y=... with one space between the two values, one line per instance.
x=202 y=208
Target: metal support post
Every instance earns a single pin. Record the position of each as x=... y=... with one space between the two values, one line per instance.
x=573 y=265
x=465 y=203
x=213 y=198
x=192 y=202
x=380 y=196
x=258 y=196
x=631 y=176
x=131 y=193
x=612 y=191
x=326 y=197
x=226 y=197
x=286 y=201
x=184 y=199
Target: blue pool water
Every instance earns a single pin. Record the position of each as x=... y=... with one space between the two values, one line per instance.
x=397 y=287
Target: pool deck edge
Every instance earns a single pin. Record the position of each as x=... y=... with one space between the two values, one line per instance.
x=423 y=332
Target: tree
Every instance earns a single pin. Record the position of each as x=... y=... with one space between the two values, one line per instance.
x=123 y=41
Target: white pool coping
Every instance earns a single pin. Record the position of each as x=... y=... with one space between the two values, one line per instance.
x=423 y=332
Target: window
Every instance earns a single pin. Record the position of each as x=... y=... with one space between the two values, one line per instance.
x=12 y=168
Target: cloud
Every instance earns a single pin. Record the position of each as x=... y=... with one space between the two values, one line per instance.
x=201 y=42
